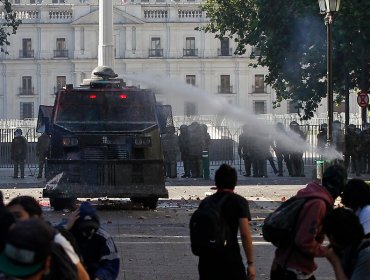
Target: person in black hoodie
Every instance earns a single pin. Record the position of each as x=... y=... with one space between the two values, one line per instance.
x=96 y=246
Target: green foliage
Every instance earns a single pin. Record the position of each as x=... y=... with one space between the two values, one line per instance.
x=9 y=24
x=291 y=36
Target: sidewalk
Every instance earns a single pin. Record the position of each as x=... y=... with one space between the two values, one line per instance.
x=29 y=181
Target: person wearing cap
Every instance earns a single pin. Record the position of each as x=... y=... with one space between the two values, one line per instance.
x=235 y=209
x=297 y=259
x=25 y=208
x=18 y=152
x=27 y=253
x=96 y=245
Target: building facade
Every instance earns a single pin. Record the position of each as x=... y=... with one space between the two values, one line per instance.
x=57 y=44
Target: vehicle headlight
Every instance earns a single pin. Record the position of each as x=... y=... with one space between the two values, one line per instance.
x=147 y=141
x=143 y=141
x=70 y=141
x=138 y=141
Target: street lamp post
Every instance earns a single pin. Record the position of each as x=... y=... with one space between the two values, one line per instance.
x=328 y=7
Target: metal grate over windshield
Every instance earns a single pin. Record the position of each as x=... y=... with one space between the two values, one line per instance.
x=105 y=106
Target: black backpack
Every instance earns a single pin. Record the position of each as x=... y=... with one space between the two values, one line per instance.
x=279 y=226
x=209 y=231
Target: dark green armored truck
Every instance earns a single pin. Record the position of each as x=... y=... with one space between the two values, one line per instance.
x=105 y=142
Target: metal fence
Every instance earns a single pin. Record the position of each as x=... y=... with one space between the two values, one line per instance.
x=223 y=147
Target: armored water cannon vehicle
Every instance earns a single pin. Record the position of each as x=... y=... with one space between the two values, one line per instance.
x=105 y=142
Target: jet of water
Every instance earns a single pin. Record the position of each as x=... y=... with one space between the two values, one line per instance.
x=218 y=105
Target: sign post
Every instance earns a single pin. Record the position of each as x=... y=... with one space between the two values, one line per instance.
x=363 y=102
x=362 y=99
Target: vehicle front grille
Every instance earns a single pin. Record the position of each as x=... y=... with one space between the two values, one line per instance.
x=109 y=152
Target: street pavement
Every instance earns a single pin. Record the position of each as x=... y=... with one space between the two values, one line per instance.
x=155 y=244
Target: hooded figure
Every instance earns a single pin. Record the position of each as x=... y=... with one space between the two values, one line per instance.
x=99 y=253
x=297 y=259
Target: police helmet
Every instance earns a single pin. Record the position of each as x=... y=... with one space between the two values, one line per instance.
x=183 y=127
x=293 y=123
x=18 y=132
x=324 y=126
x=351 y=126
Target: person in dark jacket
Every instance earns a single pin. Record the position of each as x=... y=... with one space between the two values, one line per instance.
x=97 y=247
x=228 y=264
x=244 y=150
x=42 y=148
x=297 y=259
x=18 y=152
x=184 y=150
x=352 y=145
x=170 y=148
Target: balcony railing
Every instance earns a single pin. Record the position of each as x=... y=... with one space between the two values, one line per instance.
x=190 y=52
x=26 y=91
x=225 y=89
x=155 y=52
x=26 y=53
x=60 y=53
x=258 y=89
x=225 y=52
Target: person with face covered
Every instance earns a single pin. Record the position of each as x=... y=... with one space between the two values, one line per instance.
x=25 y=208
x=96 y=246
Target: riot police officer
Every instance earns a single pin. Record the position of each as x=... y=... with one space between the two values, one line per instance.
x=42 y=148
x=244 y=150
x=195 y=149
x=338 y=136
x=365 y=148
x=280 y=152
x=352 y=143
x=170 y=147
x=18 y=152
x=322 y=137
x=296 y=157
x=184 y=149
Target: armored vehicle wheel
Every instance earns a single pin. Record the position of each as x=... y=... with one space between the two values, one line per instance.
x=63 y=203
x=148 y=202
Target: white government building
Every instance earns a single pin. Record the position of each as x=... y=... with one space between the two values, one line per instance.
x=57 y=44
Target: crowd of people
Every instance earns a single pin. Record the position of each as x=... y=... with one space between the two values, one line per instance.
x=346 y=227
x=192 y=140
x=255 y=150
x=353 y=144
x=18 y=153
x=32 y=248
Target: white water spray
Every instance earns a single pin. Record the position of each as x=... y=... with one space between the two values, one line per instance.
x=218 y=105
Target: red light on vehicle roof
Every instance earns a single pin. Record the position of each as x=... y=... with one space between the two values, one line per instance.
x=92 y=96
x=123 y=96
